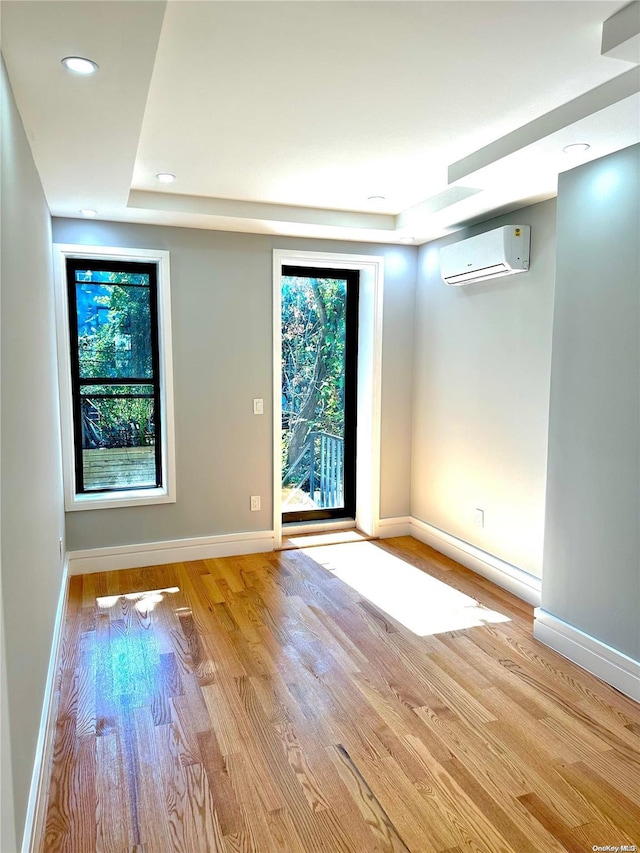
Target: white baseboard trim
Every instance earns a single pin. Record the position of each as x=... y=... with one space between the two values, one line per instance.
x=36 y=805
x=399 y=526
x=172 y=551
x=616 y=668
x=137 y=556
x=515 y=580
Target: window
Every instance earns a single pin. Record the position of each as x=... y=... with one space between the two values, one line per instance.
x=114 y=354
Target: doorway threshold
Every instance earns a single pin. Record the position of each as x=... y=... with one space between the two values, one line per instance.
x=313 y=538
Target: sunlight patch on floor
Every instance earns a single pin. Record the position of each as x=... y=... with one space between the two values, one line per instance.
x=418 y=601
x=144 y=602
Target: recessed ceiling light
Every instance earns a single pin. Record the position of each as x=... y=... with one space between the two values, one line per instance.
x=80 y=65
x=165 y=177
x=576 y=148
x=376 y=199
x=87 y=212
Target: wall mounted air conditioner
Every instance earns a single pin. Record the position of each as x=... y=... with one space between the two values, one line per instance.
x=503 y=251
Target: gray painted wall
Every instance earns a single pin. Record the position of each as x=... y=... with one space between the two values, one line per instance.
x=221 y=287
x=8 y=838
x=592 y=544
x=481 y=397
x=32 y=518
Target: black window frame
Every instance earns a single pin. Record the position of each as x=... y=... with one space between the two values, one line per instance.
x=150 y=268
x=352 y=277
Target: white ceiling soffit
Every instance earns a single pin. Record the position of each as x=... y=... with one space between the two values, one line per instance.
x=621 y=34
x=283 y=117
x=83 y=131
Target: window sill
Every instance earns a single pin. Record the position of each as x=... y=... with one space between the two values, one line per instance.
x=113 y=500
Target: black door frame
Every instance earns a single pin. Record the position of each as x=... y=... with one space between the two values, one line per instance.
x=352 y=277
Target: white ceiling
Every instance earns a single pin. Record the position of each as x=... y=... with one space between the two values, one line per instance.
x=283 y=117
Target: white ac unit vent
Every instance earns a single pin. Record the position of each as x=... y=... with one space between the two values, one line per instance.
x=503 y=251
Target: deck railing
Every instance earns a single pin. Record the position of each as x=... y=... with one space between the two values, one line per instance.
x=320 y=468
x=326 y=469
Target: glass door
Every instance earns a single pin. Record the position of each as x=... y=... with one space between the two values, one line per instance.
x=319 y=372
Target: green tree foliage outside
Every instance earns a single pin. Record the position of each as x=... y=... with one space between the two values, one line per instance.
x=313 y=357
x=117 y=346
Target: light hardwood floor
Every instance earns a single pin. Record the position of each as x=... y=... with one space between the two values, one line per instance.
x=260 y=704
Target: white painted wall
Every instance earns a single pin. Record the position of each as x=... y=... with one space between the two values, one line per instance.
x=481 y=398
x=221 y=288
x=592 y=547
x=32 y=520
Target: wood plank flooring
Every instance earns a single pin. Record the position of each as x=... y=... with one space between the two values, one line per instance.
x=260 y=704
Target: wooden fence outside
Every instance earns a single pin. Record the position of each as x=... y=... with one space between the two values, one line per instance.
x=107 y=467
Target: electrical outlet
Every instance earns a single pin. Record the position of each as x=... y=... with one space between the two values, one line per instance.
x=255 y=503
x=480 y=517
